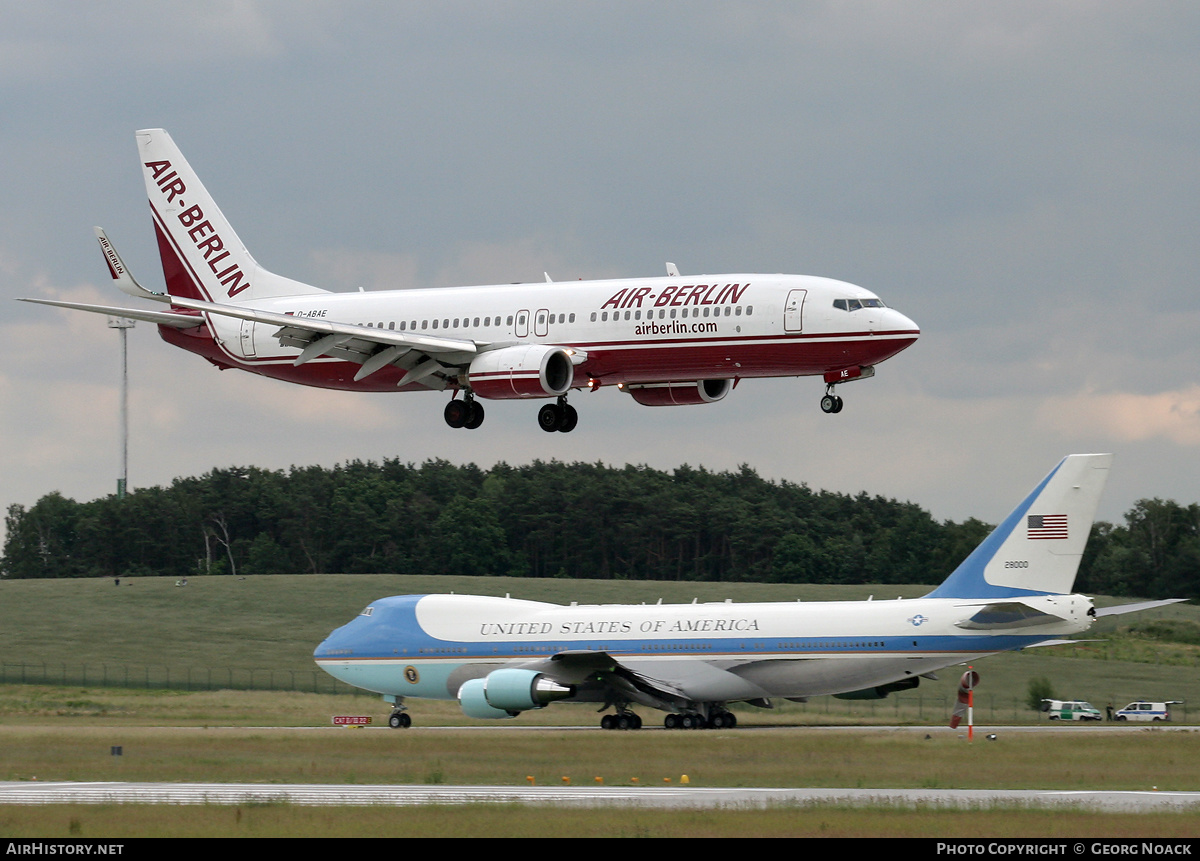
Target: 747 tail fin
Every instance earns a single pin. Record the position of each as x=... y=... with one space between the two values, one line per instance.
x=1037 y=549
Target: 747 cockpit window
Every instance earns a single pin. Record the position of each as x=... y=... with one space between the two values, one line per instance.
x=856 y=304
x=367 y=612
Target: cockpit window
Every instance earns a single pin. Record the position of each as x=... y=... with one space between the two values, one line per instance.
x=857 y=304
x=367 y=612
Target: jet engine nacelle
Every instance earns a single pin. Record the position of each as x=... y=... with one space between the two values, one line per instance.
x=508 y=692
x=524 y=371
x=680 y=394
x=473 y=701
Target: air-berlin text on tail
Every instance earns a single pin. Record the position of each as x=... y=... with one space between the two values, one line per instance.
x=676 y=296
x=207 y=241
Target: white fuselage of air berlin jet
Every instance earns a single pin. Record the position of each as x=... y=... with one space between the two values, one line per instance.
x=633 y=331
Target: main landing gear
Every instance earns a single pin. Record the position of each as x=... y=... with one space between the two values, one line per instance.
x=621 y=720
x=467 y=413
x=399 y=720
x=559 y=416
x=718 y=719
x=831 y=403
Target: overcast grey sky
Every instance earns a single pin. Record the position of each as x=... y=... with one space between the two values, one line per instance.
x=1020 y=178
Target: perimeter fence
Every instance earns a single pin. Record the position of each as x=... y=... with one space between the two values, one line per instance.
x=314 y=681
x=906 y=707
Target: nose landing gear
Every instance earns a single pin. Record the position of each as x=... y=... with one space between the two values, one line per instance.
x=831 y=403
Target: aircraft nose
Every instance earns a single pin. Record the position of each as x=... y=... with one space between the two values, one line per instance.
x=339 y=643
x=900 y=323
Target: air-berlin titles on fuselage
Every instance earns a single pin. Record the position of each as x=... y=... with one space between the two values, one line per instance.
x=672 y=296
x=622 y=626
x=199 y=230
x=678 y=296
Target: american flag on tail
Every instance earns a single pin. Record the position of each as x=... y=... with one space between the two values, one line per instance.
x=1046 y=526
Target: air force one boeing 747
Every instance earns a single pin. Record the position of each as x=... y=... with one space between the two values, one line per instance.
x=665 y=341
x=499 y=657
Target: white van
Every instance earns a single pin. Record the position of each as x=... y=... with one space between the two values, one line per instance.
x=1142 y=710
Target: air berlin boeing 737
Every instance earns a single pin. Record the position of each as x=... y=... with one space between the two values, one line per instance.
x=500 y=656
x=665 y=341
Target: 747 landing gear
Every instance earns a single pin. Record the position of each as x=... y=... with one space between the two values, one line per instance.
x=399 y=720
x=559 y=416
x=831 y=403
x=467 y=413
x=621 y=720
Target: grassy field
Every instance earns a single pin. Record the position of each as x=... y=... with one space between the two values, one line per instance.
x=504 y=820
x=79 y=747
x=1137 y=760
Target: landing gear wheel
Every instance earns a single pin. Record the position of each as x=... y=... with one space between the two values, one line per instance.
x=457 y=412
x=550 y=418
x=671 y=722
x=475 y=416
x=400 y=720
x=621 y=720
x=831 y=404
x=570 y=418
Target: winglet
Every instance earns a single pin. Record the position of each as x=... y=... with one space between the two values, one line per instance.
x=672 y=270
x=121 y=276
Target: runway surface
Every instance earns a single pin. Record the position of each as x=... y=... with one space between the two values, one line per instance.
x=31 y=792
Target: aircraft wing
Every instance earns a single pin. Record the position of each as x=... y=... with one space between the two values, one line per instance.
x=316 y=328
x=160 y=318
x=601 y=672
x=600 y=669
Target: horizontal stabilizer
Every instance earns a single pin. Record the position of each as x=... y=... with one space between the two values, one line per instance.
x=1008 y=614
x=1122 y=609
